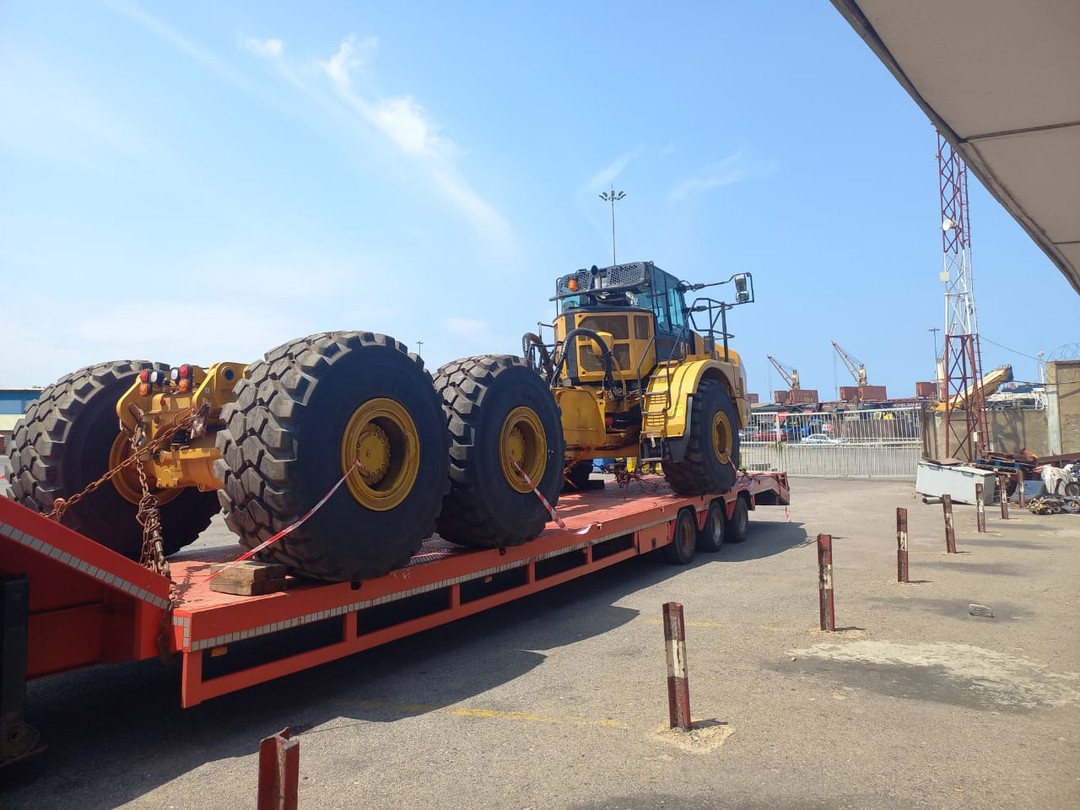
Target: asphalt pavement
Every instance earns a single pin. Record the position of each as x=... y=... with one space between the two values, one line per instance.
x=559 y=700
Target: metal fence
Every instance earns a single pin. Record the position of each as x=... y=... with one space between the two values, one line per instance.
x=867 y=443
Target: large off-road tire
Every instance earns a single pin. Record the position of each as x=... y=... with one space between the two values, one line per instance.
x=498 y=409
x=64 y=443
x=712 y=452
x=302 y=416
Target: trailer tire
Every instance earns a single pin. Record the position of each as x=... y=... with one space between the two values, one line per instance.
x=680 y=551
x=301 y=418
x=62 y=445
x=738 y=527
x=712 y=452
x=711 y=537
x=497 y=408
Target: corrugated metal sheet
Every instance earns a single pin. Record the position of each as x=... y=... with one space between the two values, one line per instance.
x=8 y=421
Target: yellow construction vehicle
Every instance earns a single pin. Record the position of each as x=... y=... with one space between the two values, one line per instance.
x=635 y=377
x=342 y=447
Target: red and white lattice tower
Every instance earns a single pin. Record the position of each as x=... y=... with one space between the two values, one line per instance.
x=965 y=403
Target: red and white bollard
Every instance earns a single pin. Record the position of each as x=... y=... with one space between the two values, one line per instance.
x=678 y=681
x=825 y=583
x=279 y=772
x=901 y=545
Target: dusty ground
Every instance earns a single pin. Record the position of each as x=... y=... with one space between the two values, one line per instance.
x=559 y=700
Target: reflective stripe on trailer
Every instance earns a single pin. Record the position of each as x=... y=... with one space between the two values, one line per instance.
x=91 y=570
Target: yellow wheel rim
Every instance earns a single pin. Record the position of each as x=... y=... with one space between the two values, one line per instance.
x=721 y=437
x=522 y=440
x=382 y=436
x=127 y=481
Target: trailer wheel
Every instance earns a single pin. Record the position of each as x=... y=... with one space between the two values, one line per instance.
x=738 y=528
x=70 y=437
x=711 y=537
x=302 y=416
x=712 y=453
x=499 y=412
x=680 y=550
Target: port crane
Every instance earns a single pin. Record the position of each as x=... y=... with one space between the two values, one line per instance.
x=855 y=366
x=790 y=375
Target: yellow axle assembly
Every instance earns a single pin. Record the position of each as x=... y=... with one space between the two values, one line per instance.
x=155 y=405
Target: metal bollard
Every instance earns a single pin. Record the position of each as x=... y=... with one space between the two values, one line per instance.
x=678 y=681
x=1020 y=487
x=901 y=545
x=1003 y=495
x=950 y=533
x=980 y=510
x=279 y=772
x=825 y=583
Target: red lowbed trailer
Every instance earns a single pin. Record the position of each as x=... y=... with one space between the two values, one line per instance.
x=68 y=602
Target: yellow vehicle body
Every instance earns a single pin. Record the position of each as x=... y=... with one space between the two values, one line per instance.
x=187 y=459
x=645 y=397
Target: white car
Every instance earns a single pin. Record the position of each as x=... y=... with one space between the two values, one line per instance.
x=821 y=438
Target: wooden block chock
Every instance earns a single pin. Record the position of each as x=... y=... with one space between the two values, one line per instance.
x=248 y=578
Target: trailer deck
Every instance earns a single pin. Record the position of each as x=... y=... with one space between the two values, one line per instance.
x=70 y=602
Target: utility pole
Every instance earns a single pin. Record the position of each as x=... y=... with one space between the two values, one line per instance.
x=612 y=197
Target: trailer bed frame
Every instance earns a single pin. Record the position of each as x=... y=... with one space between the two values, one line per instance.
x=69 y=602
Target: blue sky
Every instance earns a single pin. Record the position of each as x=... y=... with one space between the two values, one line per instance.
x=201 y=181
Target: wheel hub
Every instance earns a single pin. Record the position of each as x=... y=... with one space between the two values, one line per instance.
x=373 y=451
x=522 y=443
x=721 y=437
x=127 y=481
x=382 y=437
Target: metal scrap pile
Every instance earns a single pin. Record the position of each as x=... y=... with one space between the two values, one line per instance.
x=1055 y=504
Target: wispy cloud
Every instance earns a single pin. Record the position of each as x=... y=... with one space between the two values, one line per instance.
x=210 y=61
x=729 y=171
x=345 y=93
x=400 y=120
x=610 y=173
x=269 y=48
x=406 y=125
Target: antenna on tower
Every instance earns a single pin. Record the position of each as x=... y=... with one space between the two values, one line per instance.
x=965 y=405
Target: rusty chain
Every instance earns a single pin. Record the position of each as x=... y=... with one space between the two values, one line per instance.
x=147 y=514
x=152 y=555
x=624 y=478
x=193 y=419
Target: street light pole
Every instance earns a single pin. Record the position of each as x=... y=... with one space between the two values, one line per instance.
x=613 y=197
x=420 y=348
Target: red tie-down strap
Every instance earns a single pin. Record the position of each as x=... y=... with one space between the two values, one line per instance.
x=289 y=529
x=551 y=509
